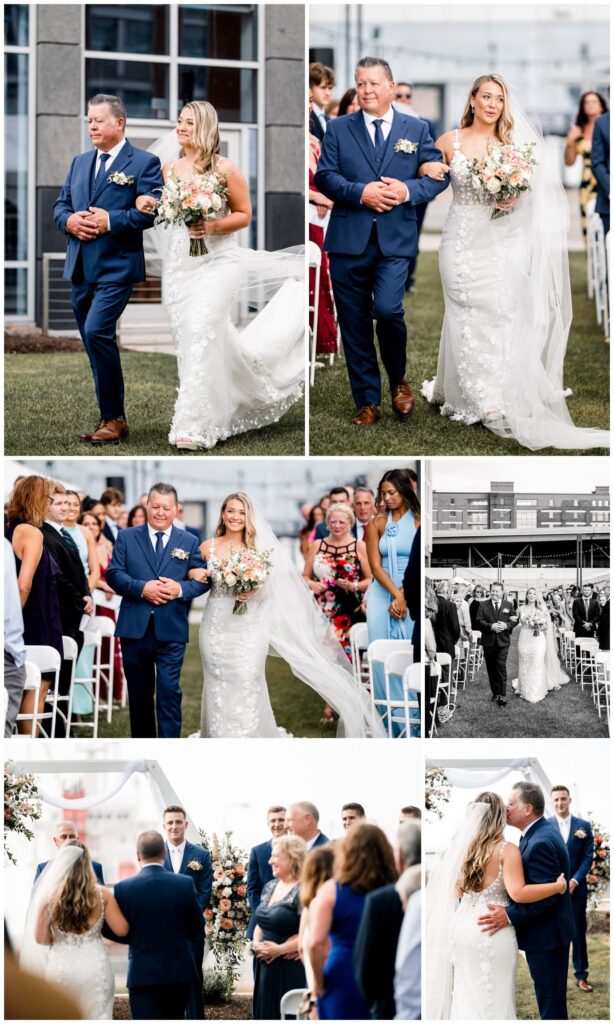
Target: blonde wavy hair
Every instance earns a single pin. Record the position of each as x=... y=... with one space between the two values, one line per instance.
x=205 y=134
x=505 y=125
x=249 y=533
x=295 y=849
x=71 y=907
x=344 y=508
x=480 y=849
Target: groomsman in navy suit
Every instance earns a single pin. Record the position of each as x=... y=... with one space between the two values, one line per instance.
x=96 y=212
x=600 y=162
x=577 y=835
x=185 y=858
x=302 y=820
x=65 y=832
x=149 y=568
x=369 y=167
x=165 y=920
x=259 y=871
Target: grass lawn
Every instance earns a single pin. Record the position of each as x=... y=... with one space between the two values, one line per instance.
x=581 y=1005
x=49 y=400
x=429 y=433
x=565 y=712
x=297 y=708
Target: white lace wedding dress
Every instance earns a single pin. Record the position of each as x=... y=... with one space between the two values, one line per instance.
x=231 y=380
x=539 y=670
x=483 y=966
x=81 y=965
x=507 y=316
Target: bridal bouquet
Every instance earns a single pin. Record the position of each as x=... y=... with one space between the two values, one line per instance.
x=243 y=572
x=504 y=173
x=537 y=621
x=188 y=202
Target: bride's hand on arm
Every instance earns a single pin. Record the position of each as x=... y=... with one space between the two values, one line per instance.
x=200 y=575
x=513 y=877
x=435 y=169
x=113 y=915
x=146 y=204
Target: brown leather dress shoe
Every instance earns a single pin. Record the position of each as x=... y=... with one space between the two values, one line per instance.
x=110 y=432
x=402 y=400
x=367 y=415
x=584 y=986
x=88 y=437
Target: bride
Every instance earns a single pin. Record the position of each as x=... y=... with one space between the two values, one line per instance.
x=230 y=380
x=66 y=914
x=506 y=287
x=281 y=619
x=472 y=975
x=539 y=669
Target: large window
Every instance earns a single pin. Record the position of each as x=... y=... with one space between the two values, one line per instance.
x=18 y=185
x=526 y=519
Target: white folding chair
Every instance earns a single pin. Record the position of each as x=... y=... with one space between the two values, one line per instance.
x=91 y=638
x=359 y=642
x=106 y=627
x=569 y=648
x=601 y=660
x=392 y=710
x=435 y=670
x=413 y=688
x=315 y=263
x=48 y=660
x=71 y=654
x=290 y=1003
x=377 y=652
x=33 y=684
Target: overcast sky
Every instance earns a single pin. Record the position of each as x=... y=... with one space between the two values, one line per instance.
x=450 y=13
x=545 y=474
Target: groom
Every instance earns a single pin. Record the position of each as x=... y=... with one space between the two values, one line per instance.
x=96 y=211
x=369 y=167
x=496 y=618
x=544 y=929
x=149 y=568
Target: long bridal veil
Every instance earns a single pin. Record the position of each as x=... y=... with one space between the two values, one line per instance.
x=441 y=906
x=33 y=956
x=536 y=412
x=302 y=635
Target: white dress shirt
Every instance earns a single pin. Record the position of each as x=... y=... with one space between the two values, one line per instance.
x=56 y=526
x=309 y=842
x=165 y=535
x=360 y=529
x=565 y=826
x=114 y=528
x=176 y=855
x=386 y=120
x=112 y=154
x=320 y=114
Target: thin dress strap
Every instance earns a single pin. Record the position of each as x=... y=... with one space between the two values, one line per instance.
x=457 y=142
x=501 y=849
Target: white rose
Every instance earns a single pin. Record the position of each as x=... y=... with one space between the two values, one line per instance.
x=227 y=892
x=230 y=579
x=493 y=186
x=216 y=202
x=205 y=202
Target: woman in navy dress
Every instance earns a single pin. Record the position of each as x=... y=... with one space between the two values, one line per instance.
x=276 y=934
x=365 y=861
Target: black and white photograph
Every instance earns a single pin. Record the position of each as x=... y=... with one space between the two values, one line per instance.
x=517 y=597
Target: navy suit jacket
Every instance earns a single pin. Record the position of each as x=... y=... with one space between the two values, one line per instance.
x=485 y=617
x=116 y=256
x=581 y=854
x=202 y=879
x=107 y=532
x=600 y=161
x=549 y=923
x=347 y=163
x=133 y=565
x=322 y=840
x=259 y=872
x=165 y=919
x=95 y=864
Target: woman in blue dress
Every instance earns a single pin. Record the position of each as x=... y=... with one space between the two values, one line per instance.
x=389 y=538
x=364 y=861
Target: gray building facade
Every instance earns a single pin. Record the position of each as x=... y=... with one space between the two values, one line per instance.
x=502 y=508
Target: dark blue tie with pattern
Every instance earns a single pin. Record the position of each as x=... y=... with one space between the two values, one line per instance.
x=379 y=139
x=159 y=550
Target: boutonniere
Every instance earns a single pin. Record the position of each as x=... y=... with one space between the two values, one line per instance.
x=194 y=865
x=119 y=178
x=405 y=146
x=180 y=554
x=580 y=834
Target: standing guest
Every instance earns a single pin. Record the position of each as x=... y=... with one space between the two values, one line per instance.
x=319 y=213
x=586 y=613
x=37 y=574
x=350 y=814
x=275 y=942
x=307 y=533
x=67 y=832
x=603 y=624
x=185 y=858
x=571 y=594
x=317 y=869
x=410 y=813
x=579 y=143
x=180 y=522
x=337 y=496
x=137 y=516
x=332 y=109
x=474 y=604
x=302 y=820
x=446 y=625
x=412 y=589
x=259 y=870
x=363 y=504
x=462 y=609
x=321 y=84
x=113 y=501
x=578 y=838
x=408 y=974
x=83 y=703
x=14 y=647
x=347 y=103
x=365 y=861
x=600 y=161
x=380 y=926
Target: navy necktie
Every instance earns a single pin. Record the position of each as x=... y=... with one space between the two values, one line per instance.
x=101 y=170
x=379 y=139
x=159 y=550
x=69 y=541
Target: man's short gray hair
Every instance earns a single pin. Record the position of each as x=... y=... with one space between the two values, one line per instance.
x=116 y=106
x=409 y=839
x=308 y=808
x=531 y=794
x=162 y=489
x=375 y=62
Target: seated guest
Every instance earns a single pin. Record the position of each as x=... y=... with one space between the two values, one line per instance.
x=603 y=623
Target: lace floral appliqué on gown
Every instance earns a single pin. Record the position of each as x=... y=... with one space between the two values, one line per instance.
x=81 y=965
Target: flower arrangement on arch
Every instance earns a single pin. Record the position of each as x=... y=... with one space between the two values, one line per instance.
x=437 y=790
x=21 y=803
x=598 y=877
x=228 y=913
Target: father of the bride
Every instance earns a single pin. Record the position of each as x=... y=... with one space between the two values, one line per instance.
x=149 y=568
x=545 y=929
x=96 y=211
x=369 y=167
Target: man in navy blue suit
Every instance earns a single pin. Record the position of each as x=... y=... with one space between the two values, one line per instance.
x=165 y=920
x=369 y=167
x=96 y=211
x=259 y=871
x=577 y=835
x=185 y=858
x=149 y=568
x=544 y=930
x=302 y=819
x=66 y=831
x=600 y=162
